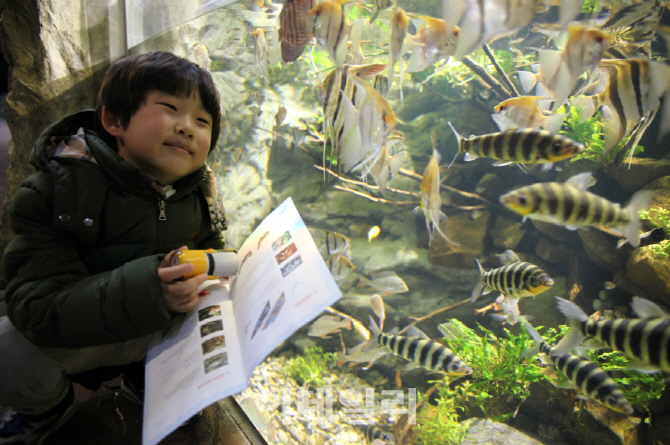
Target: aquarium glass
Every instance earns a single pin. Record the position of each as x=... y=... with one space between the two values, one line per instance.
x=423 y=244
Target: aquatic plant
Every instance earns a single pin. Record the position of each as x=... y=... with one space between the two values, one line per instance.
x=440 y=424
x=308 y=368
x=638 y=388
x=498 y=369
x=590 y=133
x=659 y=217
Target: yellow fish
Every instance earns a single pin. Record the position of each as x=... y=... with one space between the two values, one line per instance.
x=431 y=43
x=373 y=233
x=527 y=112
x=430 y=202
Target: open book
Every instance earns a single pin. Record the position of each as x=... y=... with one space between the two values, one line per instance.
x=282 y=284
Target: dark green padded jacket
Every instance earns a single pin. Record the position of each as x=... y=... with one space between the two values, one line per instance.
x=90 y=229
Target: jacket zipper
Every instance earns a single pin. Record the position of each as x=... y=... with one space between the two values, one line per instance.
x=161 y=207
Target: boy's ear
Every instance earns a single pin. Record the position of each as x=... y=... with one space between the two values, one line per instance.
x=111 y=123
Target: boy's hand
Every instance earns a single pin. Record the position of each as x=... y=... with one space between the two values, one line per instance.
x=179 y=296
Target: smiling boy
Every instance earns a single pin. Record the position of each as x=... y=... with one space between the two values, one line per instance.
x=117 y=191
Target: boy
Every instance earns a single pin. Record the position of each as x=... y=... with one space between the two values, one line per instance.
x=88 y=278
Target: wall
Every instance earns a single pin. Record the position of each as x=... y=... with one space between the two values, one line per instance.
x=57 y=52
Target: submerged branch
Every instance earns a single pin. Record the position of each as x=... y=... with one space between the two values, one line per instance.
x=408 y=174
x=374 y=198
x=362 y=183
x=432 y=314
x=500 y=71
x=486 y=77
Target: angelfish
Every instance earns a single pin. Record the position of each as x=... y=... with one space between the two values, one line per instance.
x=367 y=125
x=331 y=28
x=631 y=89
x=561 y=70
x=527 y=112
x=569 y=204
x=585 y=375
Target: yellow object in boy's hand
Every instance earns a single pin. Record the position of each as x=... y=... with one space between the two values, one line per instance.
x=211 y=262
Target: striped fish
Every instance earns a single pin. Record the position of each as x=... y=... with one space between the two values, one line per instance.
x=483 y=20
x=588 y=378
x=423 y=352
x=570 y=205
x=645 y=339
x=373 y=432
x=336 y=85
x=520 y=145
x=561 y=69
x=380 y=5
x=367 y=122
x=331 y=28
x=514 y=279
x=631 y=89
x=296 y=28
x=381 y=84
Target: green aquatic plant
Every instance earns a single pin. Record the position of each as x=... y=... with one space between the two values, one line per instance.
x=659 y=217
x=589 y=6
x=638 y=388
x=590 y=133
x=440 y=424
x=499 y=372
x=308 y=368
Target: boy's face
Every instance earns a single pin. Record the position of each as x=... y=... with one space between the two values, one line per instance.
x=168 y=137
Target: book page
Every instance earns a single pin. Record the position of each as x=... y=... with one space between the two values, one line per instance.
x=191 y=366
x=283 y=283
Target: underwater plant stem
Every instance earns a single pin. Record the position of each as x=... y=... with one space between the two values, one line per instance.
x=486 y=77
x=500 y=71
x=432 y=314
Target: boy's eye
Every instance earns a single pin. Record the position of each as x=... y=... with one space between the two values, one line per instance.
x=170 y=106
x=203 y=121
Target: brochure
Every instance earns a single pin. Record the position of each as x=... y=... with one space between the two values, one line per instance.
x=282 y=284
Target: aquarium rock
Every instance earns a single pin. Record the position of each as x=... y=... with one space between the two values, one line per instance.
x=485 y=431
x=649 y=271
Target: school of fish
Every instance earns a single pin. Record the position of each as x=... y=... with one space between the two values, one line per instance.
x=585 y=64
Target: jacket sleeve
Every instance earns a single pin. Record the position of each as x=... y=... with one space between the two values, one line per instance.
x=215 y=240
x=54 y=301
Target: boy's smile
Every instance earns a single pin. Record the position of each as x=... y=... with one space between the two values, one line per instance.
x=168 y=137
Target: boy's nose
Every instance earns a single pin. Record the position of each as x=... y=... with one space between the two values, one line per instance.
x=185 y=127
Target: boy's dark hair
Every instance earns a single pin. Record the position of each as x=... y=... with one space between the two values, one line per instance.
x=129 y=80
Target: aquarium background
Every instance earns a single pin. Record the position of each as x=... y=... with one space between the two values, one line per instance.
x=261 y=160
